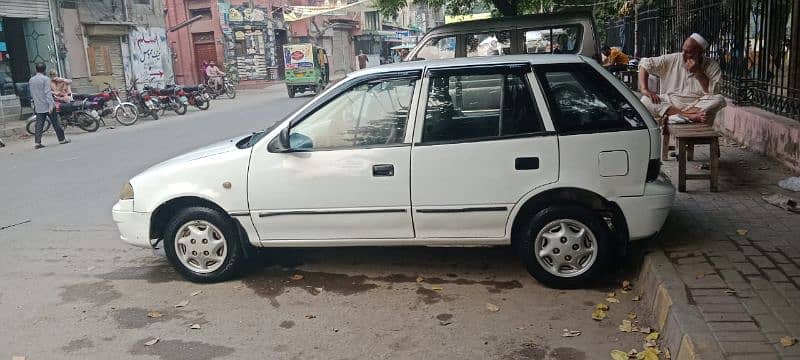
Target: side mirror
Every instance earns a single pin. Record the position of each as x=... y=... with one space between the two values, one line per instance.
x=281 y=143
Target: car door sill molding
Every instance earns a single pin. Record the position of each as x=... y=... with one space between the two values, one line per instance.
x=460 y=210
x=329 y=212
x=239 y=213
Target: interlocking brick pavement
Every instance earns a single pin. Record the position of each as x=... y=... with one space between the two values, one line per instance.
x=746 y=285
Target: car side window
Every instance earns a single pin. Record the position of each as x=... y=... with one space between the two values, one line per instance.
x=368 y=114
x=438 y=48
x=479 y=104
x=489 y=44
x=556 y=40
x=582 y=100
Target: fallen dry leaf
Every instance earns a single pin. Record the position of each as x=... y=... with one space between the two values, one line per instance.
x=195 y=293
x=653 y=336
x=626 y=285
x=194 y=326
x=571 y=333
x=787 y=341
x=741 y=232
x=601 y=306
x=619 y=355
x=645 y=330
x=237 y=287
x=309 y=316
x=437 y=288
x=152 y=342
x=182 y=304
x=612 y=300
x=730 y=291
x=637 y=298
x=154 y=314
x=611 y=294
x=667 y=355
x=420 y=279
x=598 y=314
x=626 y=326
x=700 y=275
x=492 y=307
x=631 y=316
x=296 y=277
x=647 y=354
x=650 y=344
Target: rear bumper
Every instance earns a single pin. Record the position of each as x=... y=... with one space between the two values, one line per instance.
x=646 y=214
x=134 y=227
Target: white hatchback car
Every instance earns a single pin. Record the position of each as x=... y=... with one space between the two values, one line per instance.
x=549 y=153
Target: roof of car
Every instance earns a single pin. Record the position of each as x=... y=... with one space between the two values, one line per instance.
x=536 y=20
x=473 y=61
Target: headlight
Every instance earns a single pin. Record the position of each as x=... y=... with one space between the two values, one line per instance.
x=127 y=192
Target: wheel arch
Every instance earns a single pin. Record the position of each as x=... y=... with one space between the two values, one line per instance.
x=609 y=210
x=164 y=212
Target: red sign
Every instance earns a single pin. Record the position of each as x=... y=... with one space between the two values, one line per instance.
x=297 y=55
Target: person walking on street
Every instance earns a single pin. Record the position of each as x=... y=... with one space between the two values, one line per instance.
x=362 y=60
x=44 y=106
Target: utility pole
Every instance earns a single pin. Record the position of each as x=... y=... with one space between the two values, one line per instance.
x=635 y=30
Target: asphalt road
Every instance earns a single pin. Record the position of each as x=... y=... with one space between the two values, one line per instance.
x=69 y=288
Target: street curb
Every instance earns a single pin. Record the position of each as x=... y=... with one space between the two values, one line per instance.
x=684 y=331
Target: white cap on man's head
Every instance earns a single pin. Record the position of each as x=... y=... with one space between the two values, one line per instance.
x=700 y=40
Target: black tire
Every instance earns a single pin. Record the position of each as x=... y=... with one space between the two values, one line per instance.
x=203 y=104
x=131 y=109
x=30 y=127
x=290 y=89
x=86 y=122
x=230 y=91
x=180 y=109
x=234 y=259
x=154 y=114
x=525 y=241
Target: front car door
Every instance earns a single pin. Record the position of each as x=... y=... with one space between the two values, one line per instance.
x=480 y=144
x=347 y=173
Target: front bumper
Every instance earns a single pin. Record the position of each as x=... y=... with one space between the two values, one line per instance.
x=646 y=214
x=134 y=227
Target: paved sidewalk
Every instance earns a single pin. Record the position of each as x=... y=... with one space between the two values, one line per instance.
x=738 y=256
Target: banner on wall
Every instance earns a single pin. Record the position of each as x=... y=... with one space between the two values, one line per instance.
x=149 y=54
x=294 y=13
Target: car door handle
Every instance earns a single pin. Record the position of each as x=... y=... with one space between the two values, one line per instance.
x=526 y=163
x=383 y=170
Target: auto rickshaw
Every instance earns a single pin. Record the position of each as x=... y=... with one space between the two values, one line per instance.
x=306 y=68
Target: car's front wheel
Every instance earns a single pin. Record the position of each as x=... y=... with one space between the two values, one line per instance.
x=203 y=245
x=564 y=246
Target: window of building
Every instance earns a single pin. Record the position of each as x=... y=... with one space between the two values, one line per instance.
x=582 y=100
x=368 y=114
x=495 y=103
x=371 y=20
x=142 y=2
x=205 y=12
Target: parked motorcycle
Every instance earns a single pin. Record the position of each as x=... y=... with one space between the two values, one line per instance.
x=227 y=89
x=196 y=96
x=144 y=102
x=124 y=112
x=76 y=113
x=168 y=99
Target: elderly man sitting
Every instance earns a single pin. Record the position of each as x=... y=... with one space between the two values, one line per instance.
x=688 y=85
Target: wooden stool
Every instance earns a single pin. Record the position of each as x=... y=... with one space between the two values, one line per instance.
x=686 y=137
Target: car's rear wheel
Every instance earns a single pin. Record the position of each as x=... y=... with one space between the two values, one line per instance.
x=203 y=245
x=564 y=246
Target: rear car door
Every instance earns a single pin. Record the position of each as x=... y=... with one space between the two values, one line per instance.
x=600 y=132
x=479 y=145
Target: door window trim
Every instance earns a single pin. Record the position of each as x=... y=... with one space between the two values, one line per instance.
x=522 y=69
x=329 y=97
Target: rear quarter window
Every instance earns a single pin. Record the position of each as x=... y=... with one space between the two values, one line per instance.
x=581 y=100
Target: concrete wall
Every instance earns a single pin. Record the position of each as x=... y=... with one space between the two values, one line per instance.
x=763 y=132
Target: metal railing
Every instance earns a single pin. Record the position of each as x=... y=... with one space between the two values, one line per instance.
x=756 y=42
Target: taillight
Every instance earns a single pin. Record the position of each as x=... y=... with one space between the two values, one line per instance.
x=653 y=169
x=146 y=97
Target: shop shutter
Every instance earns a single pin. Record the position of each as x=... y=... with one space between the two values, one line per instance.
x=36 y=9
